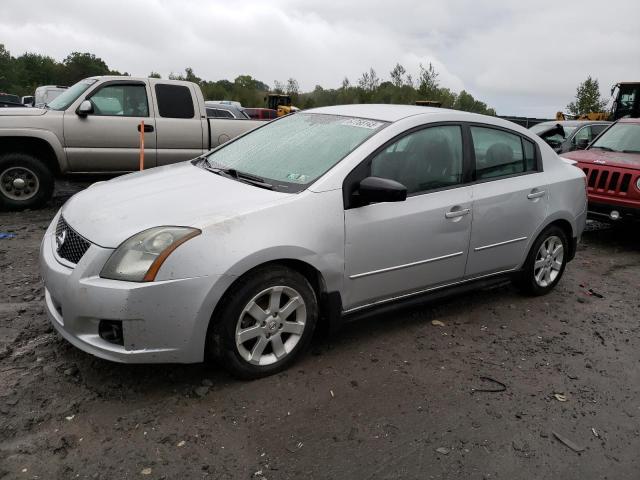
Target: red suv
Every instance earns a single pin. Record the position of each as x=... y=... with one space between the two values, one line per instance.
x=612 y=165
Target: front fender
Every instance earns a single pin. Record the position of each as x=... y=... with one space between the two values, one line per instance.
x=41 y=134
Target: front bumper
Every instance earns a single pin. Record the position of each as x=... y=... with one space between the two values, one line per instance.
x=162 y=322
x=602 y=211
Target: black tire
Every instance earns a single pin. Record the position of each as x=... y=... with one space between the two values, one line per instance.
x=221 y=341
x=526 y=278
x=38 y=177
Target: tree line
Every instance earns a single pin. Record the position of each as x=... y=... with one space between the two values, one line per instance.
x=23 y=74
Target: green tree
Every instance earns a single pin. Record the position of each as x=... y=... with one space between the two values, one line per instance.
x=427 y=82
x=587 y=98
x=369 y=81
x=278 y=87
x=191 y=77
x=6 y=70
x=154 y=75
x=397 y=75
x=82 y=65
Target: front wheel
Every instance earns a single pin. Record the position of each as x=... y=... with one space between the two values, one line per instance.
x=25 y=182
x=265 y=322
x=545 y=263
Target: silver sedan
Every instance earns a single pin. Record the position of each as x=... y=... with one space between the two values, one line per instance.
x=316 y=217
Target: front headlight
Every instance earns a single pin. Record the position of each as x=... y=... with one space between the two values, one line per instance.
x=638 y=183
x=139 y=258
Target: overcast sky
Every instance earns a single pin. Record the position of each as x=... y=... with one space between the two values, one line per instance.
x=521 y=57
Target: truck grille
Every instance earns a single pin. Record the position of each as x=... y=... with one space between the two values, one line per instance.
x=607 y=180
x=69 y=244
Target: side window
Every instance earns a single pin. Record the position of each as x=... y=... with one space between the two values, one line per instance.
x=424 y=160
x=583 y=134
x=211 y=113
x=499 y=153
x=174 y=101
x=121 y=100
x=598 y=129
x=529 y=155
x=224 y=114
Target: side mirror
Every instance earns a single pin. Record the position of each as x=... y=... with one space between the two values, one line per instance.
x=377 y=189
x=582 y=143
x=85 y=108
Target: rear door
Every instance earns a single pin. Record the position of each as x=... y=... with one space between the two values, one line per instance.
x=179 y=124
x=109 y=139
x=510 y=199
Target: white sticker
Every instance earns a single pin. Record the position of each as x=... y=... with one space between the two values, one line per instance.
x=362 y=123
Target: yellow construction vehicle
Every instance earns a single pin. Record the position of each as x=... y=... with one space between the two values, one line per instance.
x=280 y=103
x=626 y=103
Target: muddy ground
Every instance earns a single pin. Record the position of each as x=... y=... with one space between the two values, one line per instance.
x=388 y=397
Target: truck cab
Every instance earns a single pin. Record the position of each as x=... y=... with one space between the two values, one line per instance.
x=94 y=127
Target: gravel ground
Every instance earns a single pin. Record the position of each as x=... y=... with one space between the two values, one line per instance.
x=394 y=396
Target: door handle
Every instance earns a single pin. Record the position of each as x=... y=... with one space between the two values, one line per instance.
x=535 y=193
x=147 y=128
x=457 y=213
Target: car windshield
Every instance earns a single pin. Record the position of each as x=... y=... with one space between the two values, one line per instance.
x=621 y=137
x=292 y=152
x=70 y=95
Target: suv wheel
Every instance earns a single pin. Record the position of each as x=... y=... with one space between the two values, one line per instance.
x=546 y=262
x=25 y=182
x=265 y=322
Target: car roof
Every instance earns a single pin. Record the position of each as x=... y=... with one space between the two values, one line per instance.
x=573 y=123
x=629 y=120
x=384 y=112
x=221 y=106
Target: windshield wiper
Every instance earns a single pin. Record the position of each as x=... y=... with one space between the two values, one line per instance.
x=240 y=176
x=606 y=149
x=630 y=151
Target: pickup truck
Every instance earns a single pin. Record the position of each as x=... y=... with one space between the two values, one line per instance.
x=93 y=128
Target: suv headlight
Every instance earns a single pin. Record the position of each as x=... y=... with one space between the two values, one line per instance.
x=638 y=183
x=139 y=258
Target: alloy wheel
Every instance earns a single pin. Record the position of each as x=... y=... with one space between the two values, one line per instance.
x=549 y=261
x=271 y=325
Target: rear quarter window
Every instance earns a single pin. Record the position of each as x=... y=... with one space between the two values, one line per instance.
x=499 y=153
x=174 y=101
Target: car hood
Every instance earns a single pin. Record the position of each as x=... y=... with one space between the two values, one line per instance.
x=21 y=112
x=602 y=157
x=107 y=213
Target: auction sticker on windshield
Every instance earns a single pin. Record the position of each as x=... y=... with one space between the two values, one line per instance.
x=362 y=123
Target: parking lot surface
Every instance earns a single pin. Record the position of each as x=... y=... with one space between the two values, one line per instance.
x=402 y=395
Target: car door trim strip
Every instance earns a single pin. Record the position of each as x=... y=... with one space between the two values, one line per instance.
x=406 y=265
x=499 y=244
x=425 y=290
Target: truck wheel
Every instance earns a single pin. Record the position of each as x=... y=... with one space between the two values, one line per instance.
x=25 y=182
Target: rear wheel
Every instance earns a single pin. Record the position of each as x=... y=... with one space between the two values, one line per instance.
x=25 y=182
x=546 y=262
x=265 y=322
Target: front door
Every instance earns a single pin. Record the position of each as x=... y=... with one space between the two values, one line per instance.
x=395 y=249
x=510 y=200
x=108 y=139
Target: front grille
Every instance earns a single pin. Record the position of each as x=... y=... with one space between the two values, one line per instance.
x=69 y=244
x=605 y=180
